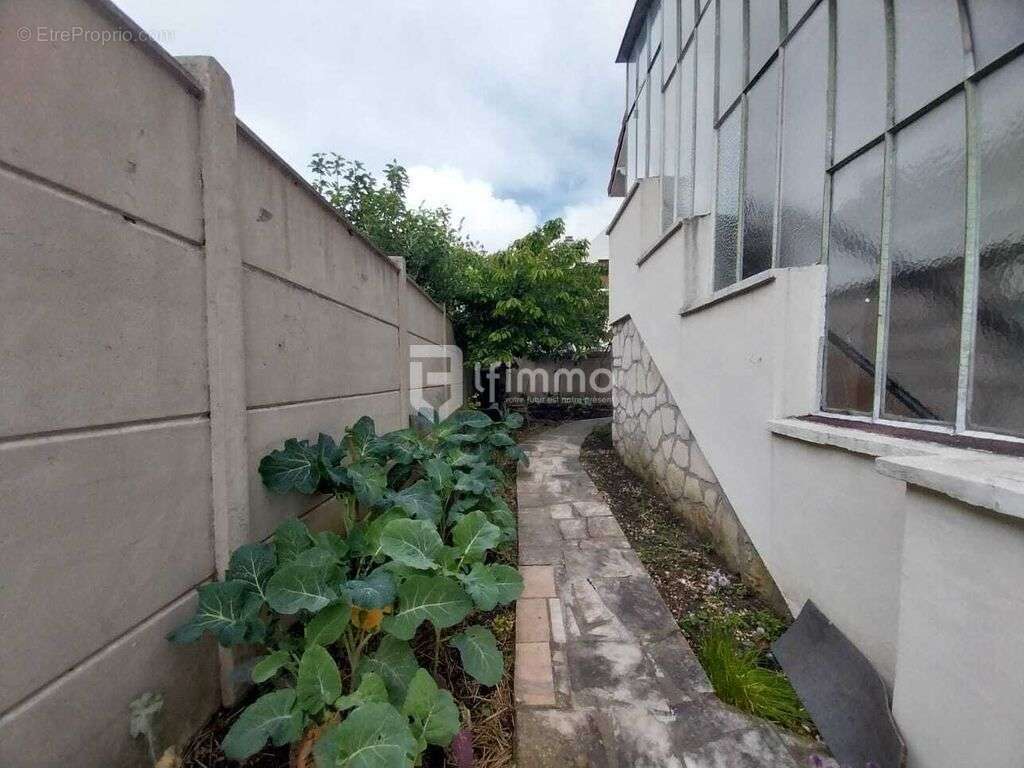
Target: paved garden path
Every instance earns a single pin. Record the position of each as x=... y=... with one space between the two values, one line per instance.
x=604 y=677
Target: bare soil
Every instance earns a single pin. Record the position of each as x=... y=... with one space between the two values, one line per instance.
x=692 y=579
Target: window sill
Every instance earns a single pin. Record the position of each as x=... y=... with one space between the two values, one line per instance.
x=623 y=206
x=724 y=294
x=676 y=226
x=974 y=477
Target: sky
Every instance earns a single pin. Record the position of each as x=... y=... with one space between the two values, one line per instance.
x=506 y=111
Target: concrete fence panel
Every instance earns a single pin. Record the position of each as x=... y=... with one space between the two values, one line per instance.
x=175 y=302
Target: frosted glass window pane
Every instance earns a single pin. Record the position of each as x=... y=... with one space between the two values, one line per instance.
x=997 y=403
x=860 y=74
x=630 y=83
x=764 y=32
x=996 y=27
x=796 y=11
x=732 y=75
x=687 y=20
x=727 y=204
x=644 y=58
x=927 y=255
x=631 y=149
x=670 y=37
x=704 y=153
x=657 y=125
x=929 y=52
x=760 y=172
x=643 y=135
x=852 y=305
x=655 y=29
x=803 y=142
x=684 y=180
x=668 y=169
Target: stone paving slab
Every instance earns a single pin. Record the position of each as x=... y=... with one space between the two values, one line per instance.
x=604 y=677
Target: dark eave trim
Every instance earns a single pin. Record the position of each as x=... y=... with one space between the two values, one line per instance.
x=633 y=28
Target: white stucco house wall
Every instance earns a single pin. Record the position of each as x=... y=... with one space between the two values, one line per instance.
x=818 y=304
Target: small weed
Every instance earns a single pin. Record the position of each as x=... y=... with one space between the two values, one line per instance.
x=739 y=679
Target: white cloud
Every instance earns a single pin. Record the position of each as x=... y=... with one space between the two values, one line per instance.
x=587 y=220
x=486 y=218
x=522 y=94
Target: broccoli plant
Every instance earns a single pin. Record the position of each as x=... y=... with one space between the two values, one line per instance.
x=335 y=611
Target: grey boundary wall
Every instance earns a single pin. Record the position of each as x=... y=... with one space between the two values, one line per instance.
x=175 y=302
x=654 y=440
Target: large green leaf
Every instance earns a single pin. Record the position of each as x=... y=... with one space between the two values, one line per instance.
x=481 y=479
x=291 y=538
x=492 y=585
x=500 y=440
x=439 y=473
x=474 y=535
x=402 y=446
x=268 y=666
x=272 y=716
x=375 y=529
x=318 y=557
x=516 y=453
x=326 y=627
x=372 y=736
x=372 y=688
x=299 y=587
x=434 y=714
x=419 y=500
x=293 y=468
x=414 y=543
x=369 y=482
x=252 y=564
x=332 y=542
x=228 y=610
x=513 y=420
x=499 y=514
x=375 y=591
x=394 y=662
x=319 y=681
x=480 y=655
x=436 y=599
x=464 y=419
x=358 y=436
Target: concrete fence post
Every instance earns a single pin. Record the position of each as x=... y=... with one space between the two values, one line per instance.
x=403 y=345
x=218 y=146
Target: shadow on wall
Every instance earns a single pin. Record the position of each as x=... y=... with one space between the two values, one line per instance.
x=654 y=440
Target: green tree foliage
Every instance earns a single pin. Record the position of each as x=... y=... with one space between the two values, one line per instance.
x=539 y=297
x=425 y=237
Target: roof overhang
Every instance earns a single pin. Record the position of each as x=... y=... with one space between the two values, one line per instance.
x=633 y=28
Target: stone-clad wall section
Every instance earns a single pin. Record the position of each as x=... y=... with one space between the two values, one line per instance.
x=654 y=440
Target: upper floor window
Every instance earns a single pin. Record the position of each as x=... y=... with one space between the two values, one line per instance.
x=884 y=138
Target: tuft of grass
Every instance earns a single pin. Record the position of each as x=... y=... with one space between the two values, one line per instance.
x=739 y=679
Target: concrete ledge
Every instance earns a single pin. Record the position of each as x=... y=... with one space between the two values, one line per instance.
x=993 y=482
x=971 y=476
x=736 y=289
x=676 y=226
x=622 y=208
x=854 y=440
